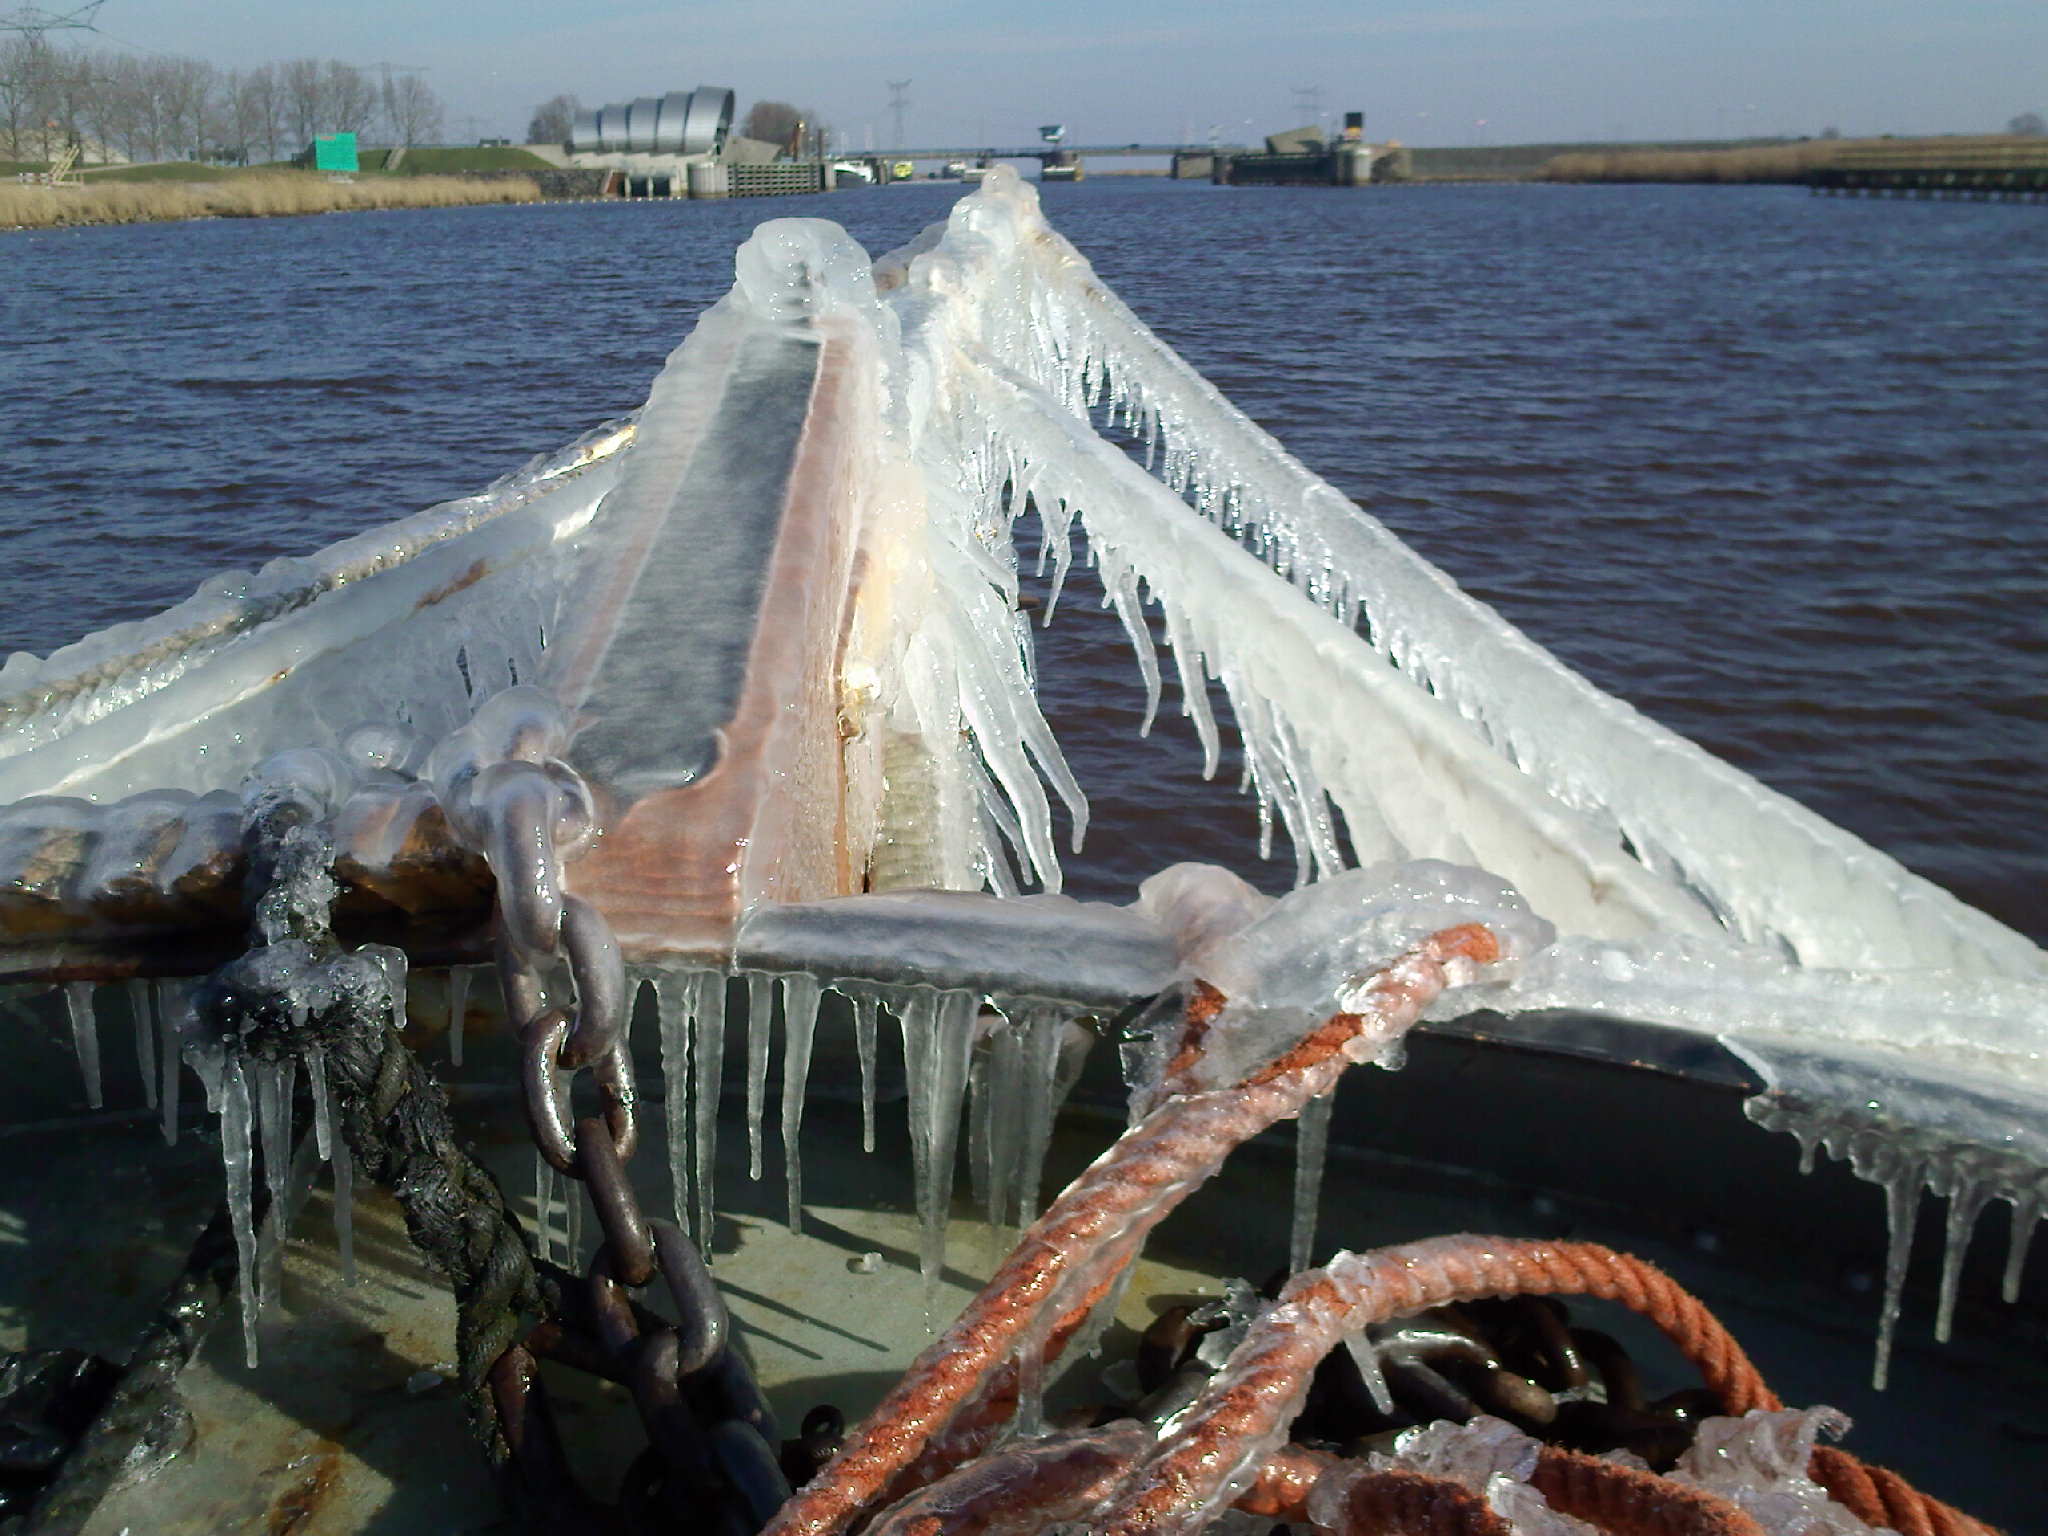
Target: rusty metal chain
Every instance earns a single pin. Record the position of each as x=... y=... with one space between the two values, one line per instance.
x=712 y=1461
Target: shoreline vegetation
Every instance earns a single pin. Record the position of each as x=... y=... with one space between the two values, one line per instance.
x=1789 y=162
x=244 y=195
x=464 y=177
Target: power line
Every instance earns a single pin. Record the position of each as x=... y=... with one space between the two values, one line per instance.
x=33 y=21
x=1308 y=103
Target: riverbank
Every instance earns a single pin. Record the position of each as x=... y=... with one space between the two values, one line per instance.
x=1765 y=163
x=246 y=196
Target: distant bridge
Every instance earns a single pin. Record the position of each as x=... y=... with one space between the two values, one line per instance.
x=1043 y=151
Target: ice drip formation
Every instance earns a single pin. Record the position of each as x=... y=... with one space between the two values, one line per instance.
x=739 y=691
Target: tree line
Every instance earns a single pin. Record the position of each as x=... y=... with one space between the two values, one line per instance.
x=158 y=108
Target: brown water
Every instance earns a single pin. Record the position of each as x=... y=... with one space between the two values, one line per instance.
x=1768 y=466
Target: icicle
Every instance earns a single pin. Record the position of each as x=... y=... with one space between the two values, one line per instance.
x=916 y=1009
x=707 y=1072
x=675 y=1007
x=458 y=1010
x=2026 y=1214
x=1194 y=685
x=1029 y=1419
x=345 y=1209
x=274 y=1083
x=572 y=1222
x=145 y=1039
x=169 y=1056
x=1901 y=1208
x=85 y=1037
x=865 y=1007
x=1360 y=1347
x=980 y=1154
x=1311 y=1149
x=1087 y=1340
x=1041 y=1093
x=323 y=1110
x=1122 y=594
x=1966 y=1200
x=1009 y=1089
x=760 y=1026
x=394 y=966
x=1059 y=534
x=800 y=994
x=544 y=1207
x=235 y=1158
x=945 y=1020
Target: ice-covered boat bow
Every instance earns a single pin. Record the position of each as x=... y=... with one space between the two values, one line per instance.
x=774 y=624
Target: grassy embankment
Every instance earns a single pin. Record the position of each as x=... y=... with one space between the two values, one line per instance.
x=134 y=194
x=1530 y=162
x=1784 y=162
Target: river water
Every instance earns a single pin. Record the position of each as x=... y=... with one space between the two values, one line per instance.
x=1768 y=466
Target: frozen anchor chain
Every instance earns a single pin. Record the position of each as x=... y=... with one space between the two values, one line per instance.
x=713 y=1440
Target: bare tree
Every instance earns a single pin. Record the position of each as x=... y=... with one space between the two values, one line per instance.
x=774 y=122
x=349 y=99
x=411 y=110
x=20 y=91
x=796 y=130
x=255 y=109
x=2028 y=125
x=186 y=87
x=158 y=108
x=304 y=101
x=553 y=120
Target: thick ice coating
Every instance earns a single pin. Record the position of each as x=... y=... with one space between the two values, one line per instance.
x=758 y=658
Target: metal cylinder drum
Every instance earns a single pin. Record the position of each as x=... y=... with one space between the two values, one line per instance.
x=583 y=135
x=640 y=120
x=668 y=127
x=709 y=120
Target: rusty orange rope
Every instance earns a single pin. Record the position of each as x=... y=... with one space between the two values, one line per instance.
x=1281 y=1489
x=1881 y=1498
x=1127 y=1190
x=1631 y=1502
x=945 y=1409
x=1403 y=1503
x=1253 y=1396
x=1251 y=1399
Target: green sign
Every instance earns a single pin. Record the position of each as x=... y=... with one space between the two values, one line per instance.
x=335 y=152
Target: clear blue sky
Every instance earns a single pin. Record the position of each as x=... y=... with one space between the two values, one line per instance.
x=1425 y=71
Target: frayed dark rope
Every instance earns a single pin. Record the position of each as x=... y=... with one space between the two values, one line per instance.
x=395 y=1115
x=296 y=991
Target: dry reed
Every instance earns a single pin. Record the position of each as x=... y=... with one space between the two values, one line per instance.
x=245 y=197
x=1759 y=163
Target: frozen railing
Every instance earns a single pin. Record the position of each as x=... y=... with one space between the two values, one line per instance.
x=1000 y=314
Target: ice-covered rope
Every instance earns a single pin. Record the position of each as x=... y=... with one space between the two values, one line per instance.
x=1626 y=1501
x=1115 y=1201
x=1023 y=1488
x=1398 y=1502
x=1246 y=1409
x=1028 y=1487
x=1219 y=1444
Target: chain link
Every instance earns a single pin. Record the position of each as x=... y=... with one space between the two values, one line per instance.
x=712 y=1461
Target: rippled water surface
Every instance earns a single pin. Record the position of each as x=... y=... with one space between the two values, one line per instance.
x=1769 y=466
